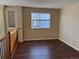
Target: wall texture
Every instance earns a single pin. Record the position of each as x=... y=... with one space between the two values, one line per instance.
x=2 y=30
x=40 y=33
x=69 y=25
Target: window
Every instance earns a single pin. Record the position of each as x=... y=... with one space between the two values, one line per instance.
x=11 y=20
x=40 y=20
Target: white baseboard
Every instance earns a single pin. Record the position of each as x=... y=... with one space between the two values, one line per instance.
x=69 y=44
x=40 y=39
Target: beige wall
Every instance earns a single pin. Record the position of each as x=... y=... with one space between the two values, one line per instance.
x=2 y=30
x=69 y=25
x=40 y=33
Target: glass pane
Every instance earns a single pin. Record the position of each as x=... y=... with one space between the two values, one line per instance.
x=41 y=16
x=35 y=24
x=45 y=16
x=11 y=21
x=40 y=24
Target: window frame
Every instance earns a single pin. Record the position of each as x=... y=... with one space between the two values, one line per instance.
x=41 y=20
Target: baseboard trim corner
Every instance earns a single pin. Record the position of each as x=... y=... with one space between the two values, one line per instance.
x=69 y=44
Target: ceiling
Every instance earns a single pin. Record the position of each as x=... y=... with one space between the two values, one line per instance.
x=38 y=3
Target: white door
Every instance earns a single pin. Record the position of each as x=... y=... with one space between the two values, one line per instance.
x=15 y=14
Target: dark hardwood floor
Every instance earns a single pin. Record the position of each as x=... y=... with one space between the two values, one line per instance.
x=49 y=49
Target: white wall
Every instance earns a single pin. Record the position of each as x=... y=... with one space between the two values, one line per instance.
x=2 y=30
x=19 y=24
x=69 y=25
